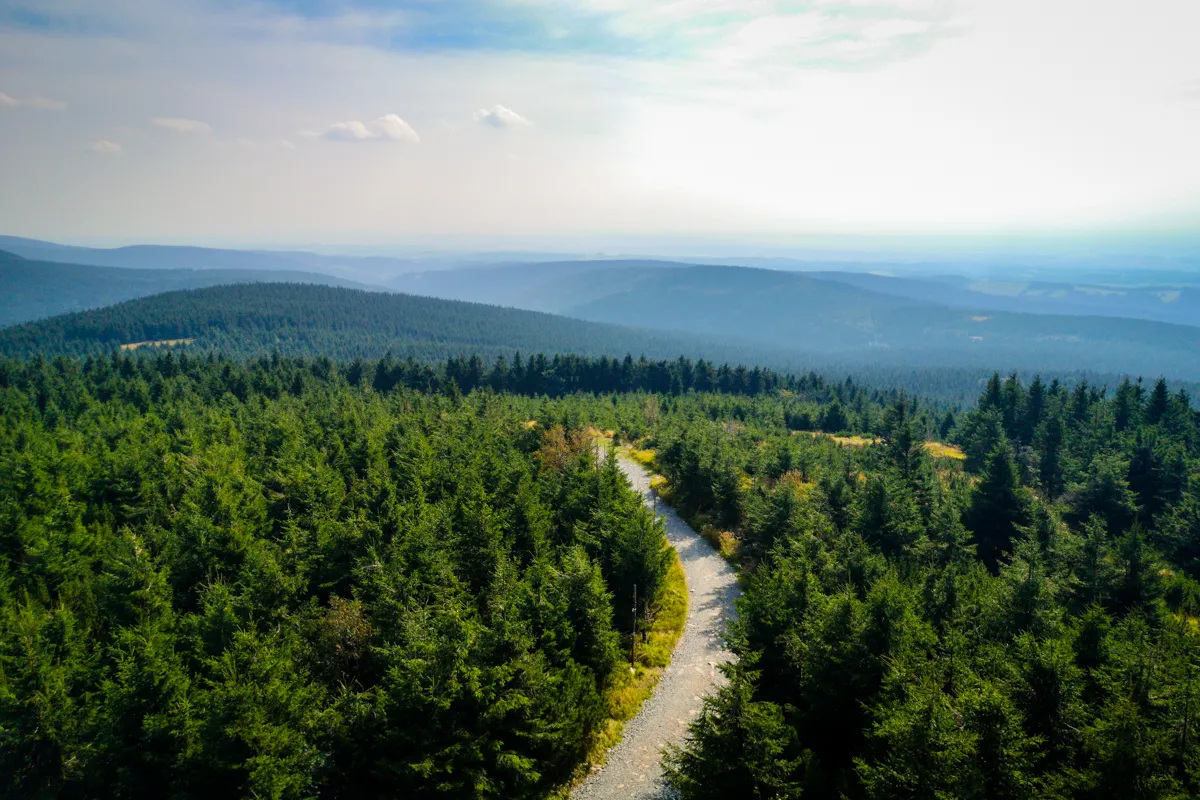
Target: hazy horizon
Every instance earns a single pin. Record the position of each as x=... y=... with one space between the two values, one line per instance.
x=601 y=122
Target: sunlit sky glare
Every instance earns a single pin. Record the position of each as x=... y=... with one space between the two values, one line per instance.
x=362 y=121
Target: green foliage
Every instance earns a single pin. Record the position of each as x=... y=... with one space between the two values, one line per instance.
x=270 y=580
x=299 y=578
x=1026 y=628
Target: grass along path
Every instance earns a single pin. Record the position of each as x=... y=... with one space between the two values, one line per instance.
x=633 y=686
x=633 y=770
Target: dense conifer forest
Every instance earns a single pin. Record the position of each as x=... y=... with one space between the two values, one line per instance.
x=224 y=581
x=254 y=320
x=306 y=319
x=295 y=577
x=1015 y=620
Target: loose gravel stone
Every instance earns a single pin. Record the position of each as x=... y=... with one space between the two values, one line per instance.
x=633 y=770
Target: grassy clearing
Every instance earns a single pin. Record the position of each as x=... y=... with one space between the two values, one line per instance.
x=844 y=441
x=939 y=450
x=935 y=449
x=156 y=343
x=630 y=687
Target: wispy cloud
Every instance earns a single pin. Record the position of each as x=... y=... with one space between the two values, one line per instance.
x=499 y=116
x=35 y=102
x=824 y=34
x=105 y=147
x=183 y=125
x=388 y=128
x=841 y=33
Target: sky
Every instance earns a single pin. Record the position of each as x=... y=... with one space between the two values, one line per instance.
x=368 y=122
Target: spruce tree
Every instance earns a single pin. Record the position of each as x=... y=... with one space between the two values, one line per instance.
x=999 y=507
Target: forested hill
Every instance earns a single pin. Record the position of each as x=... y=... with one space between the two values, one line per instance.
x=38 y=289
x=848 y=321
x=339 y=323
x=256 y=319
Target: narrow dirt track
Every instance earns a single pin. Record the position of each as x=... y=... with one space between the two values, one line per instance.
x=633 y=770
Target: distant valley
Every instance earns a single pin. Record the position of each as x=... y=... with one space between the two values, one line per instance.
x=787 y=319
x=854 y=318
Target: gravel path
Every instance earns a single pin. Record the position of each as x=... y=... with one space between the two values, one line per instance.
x=632 y=771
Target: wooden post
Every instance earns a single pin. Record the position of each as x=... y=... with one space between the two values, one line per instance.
x=633 y=646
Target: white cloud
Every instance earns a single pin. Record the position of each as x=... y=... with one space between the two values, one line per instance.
x=389 y=127
x=352 y=131
x=959 y=136
x=396 y=129
x=183 y=125
x=499 y=116
x=35 y=102
x=105 y=147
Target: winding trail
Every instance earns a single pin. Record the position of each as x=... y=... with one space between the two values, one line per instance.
x=632 y=770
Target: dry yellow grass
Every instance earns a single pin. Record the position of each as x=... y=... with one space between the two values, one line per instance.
x=1190 y=625
x=939 y=450
x=801 y=487
x=643 y=457
x=156 y=343
x=727 y=546
x=844 y=441
x=935 y=449
x=600 y=434
x=629 y=689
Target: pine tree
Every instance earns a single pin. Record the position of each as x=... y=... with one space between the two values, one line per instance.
x=998 y=508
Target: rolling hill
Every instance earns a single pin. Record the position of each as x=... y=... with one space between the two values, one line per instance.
x=372 y=269
x=36 y=289
x=850 y=321
x=1178 y=304
x=560 y=286
x=293 y=319
x=804 y=313
x=556 y=286
x=340 y=323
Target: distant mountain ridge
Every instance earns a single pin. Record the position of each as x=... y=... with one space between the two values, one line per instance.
x=364 y=269
x=308 y=319
x=771 y=317
x=858 y=319
x=560 y=286
x=31 y=289
x=1178 y=304
x=539 y=281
